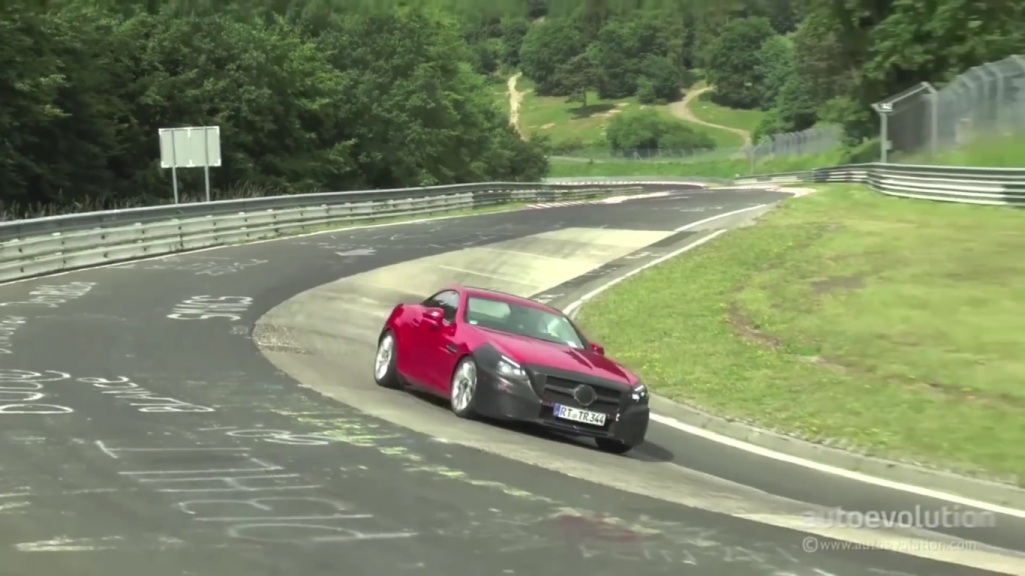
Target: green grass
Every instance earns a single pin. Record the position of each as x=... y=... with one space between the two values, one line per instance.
x=717 y=169
x=569 y=124
x=1003 y=152
x=709 y=111
x=994 y=151
x=724 y=139
x=698 y=166
x=892 y=326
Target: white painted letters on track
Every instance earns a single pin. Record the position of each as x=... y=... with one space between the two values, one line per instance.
x=52 y=296
x=22 y=392
x=249 y=498
x=122 y=388
x=26 y=392
x=206 y=307
x=47 y=296
x=198 y=265
x=8 y=326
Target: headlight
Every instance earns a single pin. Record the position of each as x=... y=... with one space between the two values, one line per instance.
x=509 y=369
x=640 y=392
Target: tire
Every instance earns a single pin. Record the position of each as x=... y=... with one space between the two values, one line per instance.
x=613 y=446
x=385 y=373
x=463 y=389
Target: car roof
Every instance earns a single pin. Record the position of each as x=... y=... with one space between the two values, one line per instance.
x=473 y=291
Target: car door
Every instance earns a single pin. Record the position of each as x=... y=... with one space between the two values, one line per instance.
x=415 y=338
x=440 y=347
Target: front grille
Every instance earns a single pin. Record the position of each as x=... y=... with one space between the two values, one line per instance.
x=560 y=390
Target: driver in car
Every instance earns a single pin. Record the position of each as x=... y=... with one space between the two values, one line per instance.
x=537 y=324
x=522 y=320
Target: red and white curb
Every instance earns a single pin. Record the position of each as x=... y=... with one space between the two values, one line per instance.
x=632 y=183
x=557 y=204
x=797 y=192
x=609 y=200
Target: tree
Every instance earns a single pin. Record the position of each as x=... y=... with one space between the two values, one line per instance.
x=346 y=101
x=661 y=78
x=733 y=66
x=546 y=47
x=619 y=53
x=514 y=29
x=578 y=76
x=775 y=69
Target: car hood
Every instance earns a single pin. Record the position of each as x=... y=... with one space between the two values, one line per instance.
x=532 y=351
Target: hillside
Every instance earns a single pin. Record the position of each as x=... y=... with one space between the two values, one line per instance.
x=575 y=128
x=685 y=110
x=771 y=66
x=334 y=95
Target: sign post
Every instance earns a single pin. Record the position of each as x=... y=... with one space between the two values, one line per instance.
x=190 y=147
x=884 y=109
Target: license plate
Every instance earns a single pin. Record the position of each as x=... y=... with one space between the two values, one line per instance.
x=577 y=415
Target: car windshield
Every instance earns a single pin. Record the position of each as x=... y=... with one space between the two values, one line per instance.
x=522 y=320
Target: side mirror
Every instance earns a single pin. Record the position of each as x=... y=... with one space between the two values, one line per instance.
x=433 y=315
x=597 y=349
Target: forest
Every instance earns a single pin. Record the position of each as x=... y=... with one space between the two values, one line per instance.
x=351 y=94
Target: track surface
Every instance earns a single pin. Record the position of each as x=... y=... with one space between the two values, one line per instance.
x=142 y=432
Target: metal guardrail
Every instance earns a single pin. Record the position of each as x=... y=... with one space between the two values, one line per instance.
x=40 y=246
x=961 y=184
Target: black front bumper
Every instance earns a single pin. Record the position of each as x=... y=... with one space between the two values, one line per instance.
x=626 y=420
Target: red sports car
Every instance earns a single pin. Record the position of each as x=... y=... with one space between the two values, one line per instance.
x=501 y=356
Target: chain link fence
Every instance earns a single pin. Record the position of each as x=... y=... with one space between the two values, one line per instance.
x=984 y=103
x=810 y=142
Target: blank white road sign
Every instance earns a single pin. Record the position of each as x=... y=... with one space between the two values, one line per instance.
x=190 y=147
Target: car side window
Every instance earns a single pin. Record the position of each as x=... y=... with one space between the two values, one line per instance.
x=432 y=301
x=448 y=301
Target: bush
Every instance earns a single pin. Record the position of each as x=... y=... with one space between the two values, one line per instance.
x=646 y=91
x=646 y=132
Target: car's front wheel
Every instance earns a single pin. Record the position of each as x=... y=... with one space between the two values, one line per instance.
x=463 y=389
x=385 y=373
x=613 y=446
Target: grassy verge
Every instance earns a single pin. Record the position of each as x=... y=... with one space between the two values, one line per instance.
x=1001 y=152
x=570 y=124
x=879 y=324
x=994 y=151
x=719 y=168
x=709 y=111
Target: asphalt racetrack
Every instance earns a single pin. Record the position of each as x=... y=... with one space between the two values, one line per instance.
x=189 y=416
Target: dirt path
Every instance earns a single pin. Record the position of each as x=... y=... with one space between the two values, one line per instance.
x=515 y=98
x=682 y=111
